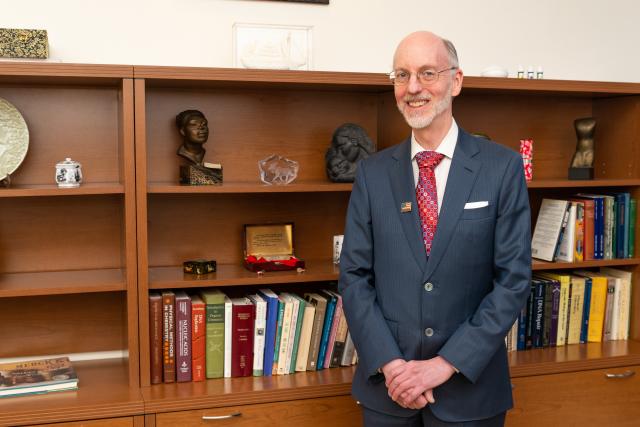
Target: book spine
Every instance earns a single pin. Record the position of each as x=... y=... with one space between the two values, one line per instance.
x=601 y=226
x=579 y=236
x=284 y=337
x=326 y=330
x=228 y=337
x=276 y=346
x=589 y=233
x=340 y=342
x=538 y=326
x=259 y=338
x=215 y=340
x=197 y=340
x=609 y=231
x=183 y=332
x=337 y=316
x=609 y=313
x=554 y=302
x=584 y=329
x=522 y=328
x=563 y=311
x=169 y=336
x=349 y=349
x=295 y=312
x=633 y=213
x=575 y=316
x=270 y=336
x=627 y=206
x=620 y=221
x=531 y=314
x=155 y=337
x=242 y=341
x=316 y=334
x=297 y=337
x=597 y=309
x=305 y=338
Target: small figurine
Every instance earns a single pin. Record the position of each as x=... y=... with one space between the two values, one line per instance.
x=349 y=144
x=193 y=126
x=582 y=161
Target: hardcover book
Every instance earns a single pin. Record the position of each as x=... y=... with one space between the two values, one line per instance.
x=242 y=337
x=155 y=336
x=169 y=336
x=183 y=336
x=37 y=376
x=214 y=300
x=198 y=335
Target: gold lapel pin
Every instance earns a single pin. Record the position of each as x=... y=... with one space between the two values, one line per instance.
x=405 y=207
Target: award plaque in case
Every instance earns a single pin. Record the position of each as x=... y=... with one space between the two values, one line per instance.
x=269 y=247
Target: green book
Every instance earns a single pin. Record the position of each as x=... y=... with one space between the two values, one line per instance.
x=633 y=209
x=296 y=340
x=214 y=340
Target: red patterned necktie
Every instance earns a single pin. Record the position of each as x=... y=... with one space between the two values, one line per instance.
x=427 y=195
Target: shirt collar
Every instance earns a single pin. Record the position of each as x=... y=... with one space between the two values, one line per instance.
x=446 y=147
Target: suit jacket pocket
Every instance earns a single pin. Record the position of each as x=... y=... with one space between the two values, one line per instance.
x=478 y=213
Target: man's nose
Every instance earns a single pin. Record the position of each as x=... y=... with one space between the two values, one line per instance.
x=414 y=85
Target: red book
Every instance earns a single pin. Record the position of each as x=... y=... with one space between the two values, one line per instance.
x=589 y=227
x=183 y=336
x=198 y=337
x=155 y=336
x=243 y=317
x=169 y=336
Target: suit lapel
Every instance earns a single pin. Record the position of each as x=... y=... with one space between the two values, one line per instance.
x=462 y=175
x=403 y=185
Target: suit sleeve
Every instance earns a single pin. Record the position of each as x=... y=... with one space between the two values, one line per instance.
x=374 y=341
x=474 y=343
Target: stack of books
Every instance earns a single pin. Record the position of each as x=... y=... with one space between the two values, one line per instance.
x=37 y=376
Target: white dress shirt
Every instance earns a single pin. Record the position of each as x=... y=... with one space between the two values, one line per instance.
x=446 y=147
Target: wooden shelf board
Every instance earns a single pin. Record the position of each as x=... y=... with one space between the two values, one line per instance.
x=232 y=275
x=103 y=392
x=575 y=357
x=564 y=183
x=544 y=265
x=37 y=190
x=546 y=86
x=61 y=282
x=247 y=187
x=247 y=390
x=49 y=73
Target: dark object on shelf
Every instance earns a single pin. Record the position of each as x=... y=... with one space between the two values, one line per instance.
x=349 y=144
x=194 y=128
x=21 y=43
x=199 y=266
x=269 y=247
x=582 y=161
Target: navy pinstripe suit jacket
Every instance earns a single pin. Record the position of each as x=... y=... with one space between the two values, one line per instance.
x=479 y=268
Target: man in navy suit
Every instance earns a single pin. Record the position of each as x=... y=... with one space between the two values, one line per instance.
x=430 y=289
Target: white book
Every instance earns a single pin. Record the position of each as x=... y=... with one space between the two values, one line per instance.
x=228 y=319
x=623 y=300
x=292 y=332
x=305 y=337
x=284 y=337
x=349 y=350
x=259 y=334
x=566 y=251
x=546 y=236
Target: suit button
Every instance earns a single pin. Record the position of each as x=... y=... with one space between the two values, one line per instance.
x=428 y=287
x=428 y=332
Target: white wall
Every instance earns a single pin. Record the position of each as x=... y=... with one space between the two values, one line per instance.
x=571 y=39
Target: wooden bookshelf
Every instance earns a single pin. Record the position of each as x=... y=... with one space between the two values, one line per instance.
x=81 y=262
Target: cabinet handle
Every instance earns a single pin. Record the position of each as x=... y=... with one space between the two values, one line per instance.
x=625 y=374
x=221 y=417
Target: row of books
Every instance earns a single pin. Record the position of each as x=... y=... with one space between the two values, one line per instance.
x=211 y=335
x=585 y=227
x=583 y=306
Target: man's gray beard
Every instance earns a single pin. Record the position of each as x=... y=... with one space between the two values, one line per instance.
x=423 y=121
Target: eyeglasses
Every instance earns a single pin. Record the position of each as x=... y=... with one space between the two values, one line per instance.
x=426 y=77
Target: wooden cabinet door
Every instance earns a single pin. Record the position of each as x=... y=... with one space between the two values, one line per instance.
x=606 y=397
x=341 y=411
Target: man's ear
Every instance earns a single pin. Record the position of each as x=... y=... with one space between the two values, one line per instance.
x=456 y=86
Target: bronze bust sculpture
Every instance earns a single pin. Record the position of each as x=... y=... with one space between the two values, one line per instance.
x=349 y=144
x=582 y=161
x=194 y=129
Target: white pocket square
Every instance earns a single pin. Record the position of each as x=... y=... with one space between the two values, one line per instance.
x=476 y=205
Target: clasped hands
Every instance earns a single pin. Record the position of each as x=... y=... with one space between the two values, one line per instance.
x=411 y=383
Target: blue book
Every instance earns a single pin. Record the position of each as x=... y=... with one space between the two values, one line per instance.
x=326 y=328
x=522 y=328
x=538 y=314
x=270 y=331
x=619 y=225
x=584 y=329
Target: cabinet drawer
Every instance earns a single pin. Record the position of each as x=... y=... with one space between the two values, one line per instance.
x=586 y=398
x=341 y=411
x=110 y=422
